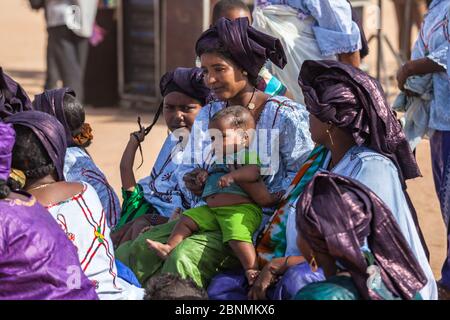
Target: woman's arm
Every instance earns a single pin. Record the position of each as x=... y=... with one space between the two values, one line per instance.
x=415 y=68
x=127 y=161
x=275 y=268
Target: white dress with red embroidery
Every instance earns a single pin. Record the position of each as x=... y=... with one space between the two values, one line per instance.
x=83 y=220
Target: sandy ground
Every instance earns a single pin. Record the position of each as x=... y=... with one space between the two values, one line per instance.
x=23 y=39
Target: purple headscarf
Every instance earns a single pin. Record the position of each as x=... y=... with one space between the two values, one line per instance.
x=49 y=131
x=350 y=99
x=51 y=102
x=336 y=214
x=7 y=138
x=188 y=81
x=248 y=47
x=12 y=97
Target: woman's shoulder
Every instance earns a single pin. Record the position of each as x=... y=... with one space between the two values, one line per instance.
x=368 y=156
x=286 y=108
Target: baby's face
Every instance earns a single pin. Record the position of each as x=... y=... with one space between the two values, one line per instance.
x=227 y=140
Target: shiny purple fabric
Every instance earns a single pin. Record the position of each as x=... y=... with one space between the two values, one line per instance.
x=38 y=261
x=336 y=214
x=7 y=138
x=350 y=99
x=12 y=96
x=248 y=47
x=233 y=285
x=49 y=131
x=188 y=81
x=52 y=102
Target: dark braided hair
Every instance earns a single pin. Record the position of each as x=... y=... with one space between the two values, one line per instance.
x=30 y=156
x=75 y=116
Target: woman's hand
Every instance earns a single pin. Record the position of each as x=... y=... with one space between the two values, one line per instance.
x=138 y=136
x=402 y=74
x=195 y=180
x=264 y=280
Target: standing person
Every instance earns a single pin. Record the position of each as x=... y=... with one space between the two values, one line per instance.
x=309 y=30
x=232 y=53
x=349 y=232
x=39 y=153
x=429 y=56
x=37 y=262
x=70 y=24
x=78 y=164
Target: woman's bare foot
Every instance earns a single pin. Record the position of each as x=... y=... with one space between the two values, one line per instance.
x=162 y=250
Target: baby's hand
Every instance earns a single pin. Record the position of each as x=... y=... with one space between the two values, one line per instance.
x=226 y=180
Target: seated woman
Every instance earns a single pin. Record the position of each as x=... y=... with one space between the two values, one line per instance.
x=38 y=262
x=231 y=70
x=78 y=164
x=232 y=10
x=344 y=228
x=155 y=198
x=39 y=152
x=359 y=137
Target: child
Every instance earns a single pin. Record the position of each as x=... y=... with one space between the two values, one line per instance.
x=152 y=200
x=169 y=286
x=229 y=208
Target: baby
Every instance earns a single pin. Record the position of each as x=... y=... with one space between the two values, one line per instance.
x=234 y=192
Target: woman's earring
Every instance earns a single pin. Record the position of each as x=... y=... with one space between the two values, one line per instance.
x=331 y=138
x=313 y=264
x=245 y=73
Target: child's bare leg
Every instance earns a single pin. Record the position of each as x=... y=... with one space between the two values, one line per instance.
x=246 y=254
x=183 y=229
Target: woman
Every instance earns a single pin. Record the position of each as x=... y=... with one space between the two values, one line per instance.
x=349 y=232
x=429 y=57
x=39 y=152
x=310 y=30
x=152 y=200
x=38 y=261
x=358 y=137
x=78 y=164
x=231 y=53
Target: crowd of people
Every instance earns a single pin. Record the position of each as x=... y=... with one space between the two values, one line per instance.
x=283 y=175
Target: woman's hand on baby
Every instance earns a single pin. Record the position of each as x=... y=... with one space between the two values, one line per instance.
x=195 y=180
x=226 y=180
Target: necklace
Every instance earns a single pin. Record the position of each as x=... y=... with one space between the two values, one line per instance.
x=41 y=186
x=250 y=104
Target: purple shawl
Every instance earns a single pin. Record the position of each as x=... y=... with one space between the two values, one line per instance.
x=49 y=131
x=51 y=102
x=248 y=47
x=7 y=138
x=349 y=98
x=336 y=214
x=188 y=81
x=12 y=97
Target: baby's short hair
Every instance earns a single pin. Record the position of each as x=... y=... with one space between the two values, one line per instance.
x=238 y=116
x=169 y=286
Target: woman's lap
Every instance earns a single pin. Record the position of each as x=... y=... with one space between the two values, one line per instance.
x=199 y=257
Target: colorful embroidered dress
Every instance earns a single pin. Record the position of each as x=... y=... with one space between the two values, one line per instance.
x=83 y=220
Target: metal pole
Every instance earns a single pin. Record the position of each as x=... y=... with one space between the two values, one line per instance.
x=380 y=40
x=407 y=30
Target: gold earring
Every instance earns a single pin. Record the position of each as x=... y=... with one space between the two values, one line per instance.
x=331 y=138
x=313 y=264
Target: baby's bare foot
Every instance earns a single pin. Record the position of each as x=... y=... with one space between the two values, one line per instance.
x=162 y=250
